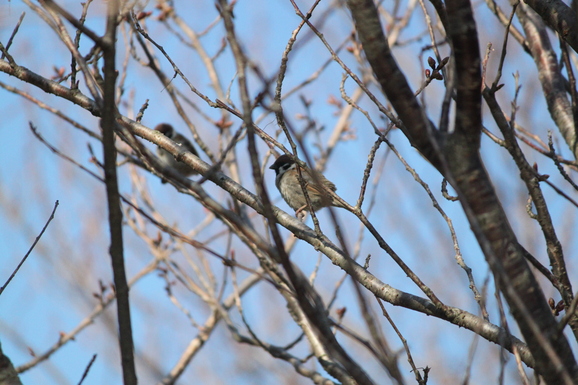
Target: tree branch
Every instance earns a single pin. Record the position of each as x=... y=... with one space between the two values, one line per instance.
x=108 y=123
x=560 y=17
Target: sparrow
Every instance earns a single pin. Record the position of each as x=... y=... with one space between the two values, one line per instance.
x=167 y=159
x=287 y=182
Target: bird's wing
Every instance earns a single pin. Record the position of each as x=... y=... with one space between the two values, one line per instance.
x=312 y=181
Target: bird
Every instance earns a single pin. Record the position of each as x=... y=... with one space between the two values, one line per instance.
x=287 y=182
x=167 y=159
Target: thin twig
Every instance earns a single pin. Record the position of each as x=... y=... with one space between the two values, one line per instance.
x=558 y=164
x=14 y=32
x=495 y=85
x=87 y=369
x=31 y=248
x=418 y=377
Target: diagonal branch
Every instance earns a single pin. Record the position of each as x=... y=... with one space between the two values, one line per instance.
x=553 y=83
x=560 y=17
x=31 y=248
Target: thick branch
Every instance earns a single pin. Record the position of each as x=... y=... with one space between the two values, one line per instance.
x=531 y=179
x=560 y=17
x=554 y=358
x=113 y=197
x=50 y=86
x=464 y=36
x=553 y=83
x=461 y=161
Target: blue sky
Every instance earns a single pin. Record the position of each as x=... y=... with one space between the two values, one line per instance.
x=54 y=290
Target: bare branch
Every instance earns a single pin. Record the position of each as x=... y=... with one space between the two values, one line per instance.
x=560 y=17
x=553 y=84
x=50 y=218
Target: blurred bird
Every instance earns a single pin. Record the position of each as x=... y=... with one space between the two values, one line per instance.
x=287 y=182
x=167 y=159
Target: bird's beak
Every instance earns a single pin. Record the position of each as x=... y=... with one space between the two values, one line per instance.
x=271 y=167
